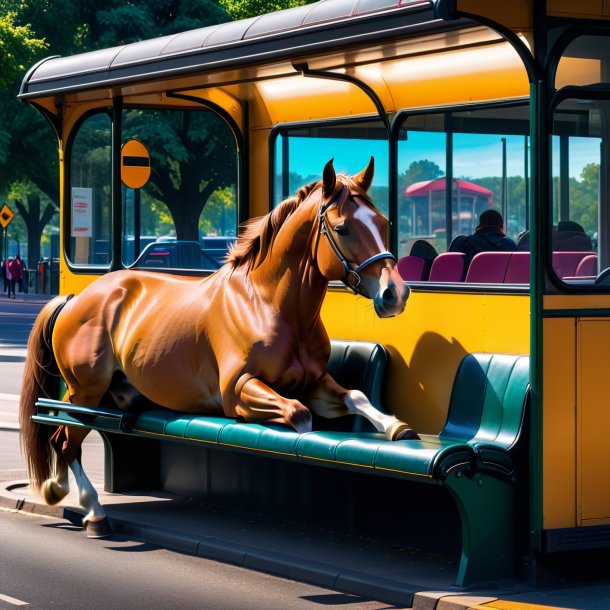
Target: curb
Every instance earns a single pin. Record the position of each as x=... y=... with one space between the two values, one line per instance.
x=262 y=560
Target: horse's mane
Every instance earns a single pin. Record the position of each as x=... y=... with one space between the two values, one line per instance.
x=253 y=244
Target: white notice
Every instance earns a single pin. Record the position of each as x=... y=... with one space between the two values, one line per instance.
x=82 y=206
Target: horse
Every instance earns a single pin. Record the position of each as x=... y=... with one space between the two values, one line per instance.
x=246 y=341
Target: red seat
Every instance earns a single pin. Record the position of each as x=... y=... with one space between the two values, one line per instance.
x=488 y=268
x=518 y=270
x=448 y=267
x=587 y=266
x=565 y=263
x=411 y=268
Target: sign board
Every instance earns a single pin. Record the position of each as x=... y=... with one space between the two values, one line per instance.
x=135 y=164
x=82 y=212
x=6 y=215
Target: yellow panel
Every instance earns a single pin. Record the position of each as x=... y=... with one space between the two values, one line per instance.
x=427 y=342
x=577 y=72
x=576 y=301
x=258 y=196
x=300 y=98
x=517 y=15
x=476 y=74
x=593 y=422
x=583 y=9
x=559 y=423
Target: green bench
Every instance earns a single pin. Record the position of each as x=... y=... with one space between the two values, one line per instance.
x=476 y=457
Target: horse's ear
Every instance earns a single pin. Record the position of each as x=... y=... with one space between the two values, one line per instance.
x=365 y=177
x=329 y=179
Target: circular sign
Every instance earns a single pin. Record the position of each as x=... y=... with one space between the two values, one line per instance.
x=135 y=164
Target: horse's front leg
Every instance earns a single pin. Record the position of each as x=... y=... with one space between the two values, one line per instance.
x=258 y=401
x=329 y=399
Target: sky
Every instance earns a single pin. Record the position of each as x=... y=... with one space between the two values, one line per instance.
x=475 y=155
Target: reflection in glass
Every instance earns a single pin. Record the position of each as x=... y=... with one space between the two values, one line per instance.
x=89 y=195
x=190 y=202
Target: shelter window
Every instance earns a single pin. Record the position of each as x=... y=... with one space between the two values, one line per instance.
x=578 y=144
x=186 y=215
x=302 y=152
x=89 y=193
x=586 y=61
x=483 y=153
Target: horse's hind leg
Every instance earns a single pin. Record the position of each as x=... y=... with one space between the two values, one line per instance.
x=95 y=521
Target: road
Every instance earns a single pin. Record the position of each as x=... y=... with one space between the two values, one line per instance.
x=47 y=563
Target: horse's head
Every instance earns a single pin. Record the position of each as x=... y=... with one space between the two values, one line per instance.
x=351 y=242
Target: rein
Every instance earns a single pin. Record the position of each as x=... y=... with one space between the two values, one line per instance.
x=351 y=272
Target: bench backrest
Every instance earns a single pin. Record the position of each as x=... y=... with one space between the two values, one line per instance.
x=488 y=267
x=488 y=399
x=448 y=267
x=411 y=268
x=356 y=365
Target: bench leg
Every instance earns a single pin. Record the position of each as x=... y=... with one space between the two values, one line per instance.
x=486 y=507
x=130 y=462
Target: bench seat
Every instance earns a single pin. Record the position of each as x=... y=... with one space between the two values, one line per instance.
x=475 y=457
x=431 y=457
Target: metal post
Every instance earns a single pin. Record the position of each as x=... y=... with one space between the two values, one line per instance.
x=504 y=185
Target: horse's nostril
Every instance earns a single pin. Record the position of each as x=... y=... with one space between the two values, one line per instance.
x=387 y=295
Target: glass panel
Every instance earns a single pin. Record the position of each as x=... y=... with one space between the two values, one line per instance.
x=422 y=162
x=586 y=61
x=90 y=194
x=300 y=156
x=489 y=172
x=579 y=206
x=186 y=215
x=485 y=154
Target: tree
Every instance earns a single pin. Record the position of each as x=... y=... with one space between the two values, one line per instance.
x=419 y=171
x=68 y=26
x=18 y=45
x=193 y=155
x=242 y=9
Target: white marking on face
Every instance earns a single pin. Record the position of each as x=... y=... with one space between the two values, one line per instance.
x=366 y=215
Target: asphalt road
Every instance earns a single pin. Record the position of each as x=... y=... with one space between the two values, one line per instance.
x=47 y=563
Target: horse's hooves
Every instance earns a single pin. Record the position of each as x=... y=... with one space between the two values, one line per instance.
x=97 y=529
x=399 y=431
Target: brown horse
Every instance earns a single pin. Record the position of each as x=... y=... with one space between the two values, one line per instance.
x=247 y=341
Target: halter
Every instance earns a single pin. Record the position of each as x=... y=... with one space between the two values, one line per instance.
x=351 y=272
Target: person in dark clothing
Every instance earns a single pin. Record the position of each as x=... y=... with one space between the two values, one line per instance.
x=489 y=236
x=567 y=236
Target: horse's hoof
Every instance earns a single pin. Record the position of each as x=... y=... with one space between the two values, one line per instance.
x=52 y=492
x=399 y=431
x=99 y=528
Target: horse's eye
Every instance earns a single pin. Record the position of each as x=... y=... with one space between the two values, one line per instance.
x=341 y=230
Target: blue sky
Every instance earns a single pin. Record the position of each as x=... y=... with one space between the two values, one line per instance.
x=475 y=155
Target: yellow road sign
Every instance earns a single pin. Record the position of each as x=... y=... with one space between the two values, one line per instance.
x=6 y=215
x=135 y=164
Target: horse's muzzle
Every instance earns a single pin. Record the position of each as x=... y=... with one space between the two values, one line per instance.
x=391 y=299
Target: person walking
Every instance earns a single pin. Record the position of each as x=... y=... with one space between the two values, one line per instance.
x=6 y=276
x=16 y=270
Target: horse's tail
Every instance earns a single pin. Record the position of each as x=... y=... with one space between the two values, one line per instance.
x=38 y=380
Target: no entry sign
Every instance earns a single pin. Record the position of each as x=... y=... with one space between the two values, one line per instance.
x=135 y=164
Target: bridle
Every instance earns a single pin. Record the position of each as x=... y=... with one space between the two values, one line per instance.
x=351 y=272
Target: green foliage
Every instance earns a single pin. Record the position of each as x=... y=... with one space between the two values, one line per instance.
x=241 y=9
x=18 y=44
